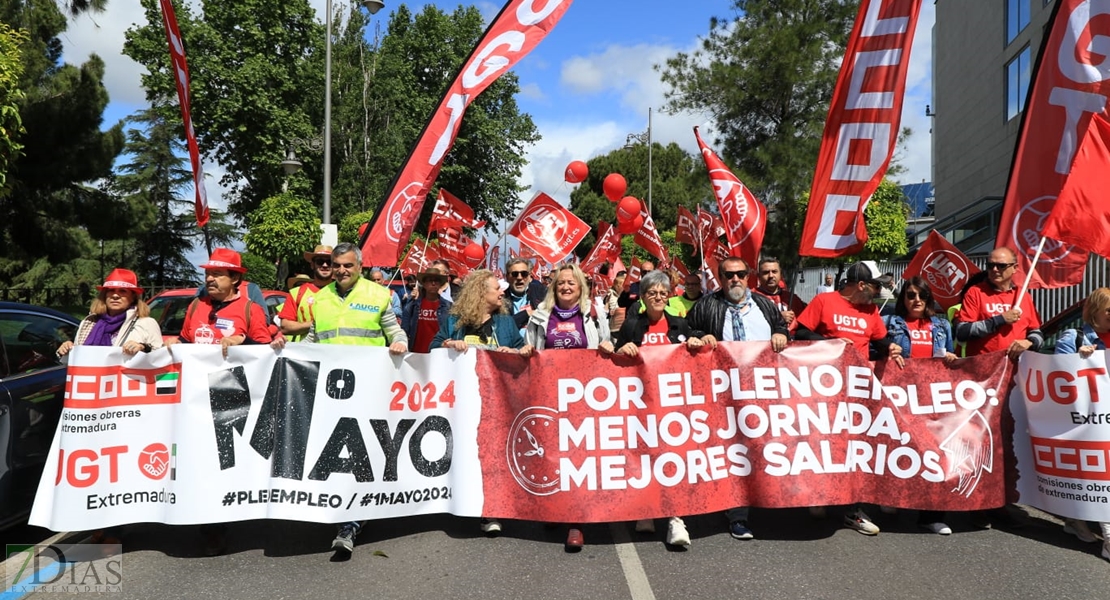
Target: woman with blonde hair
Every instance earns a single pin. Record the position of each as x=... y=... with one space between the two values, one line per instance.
x=118 y=317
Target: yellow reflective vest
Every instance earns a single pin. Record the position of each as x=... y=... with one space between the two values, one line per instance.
x=355 y=320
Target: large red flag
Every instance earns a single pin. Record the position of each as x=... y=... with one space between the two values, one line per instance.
x=548 y=229
x=449 y=211
x=181 y=78
x=647 y=237
x=1069 y=87
x=516 y=30
x=1083 y=198
x=744 y=216
x=862 y=129
x=686 y=228
x=944 y=267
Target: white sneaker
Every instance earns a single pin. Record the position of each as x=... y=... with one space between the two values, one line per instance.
x=491 y=526
x=676 y=532
x=817 y=512
x=937 y=528
x=858 y=520
x=1080 y=530
x=645 y=526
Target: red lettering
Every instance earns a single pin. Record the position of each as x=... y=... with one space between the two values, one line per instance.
x=88 y=472
x=1072 y=459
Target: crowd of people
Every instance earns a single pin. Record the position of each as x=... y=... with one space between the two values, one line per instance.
x=521 y=315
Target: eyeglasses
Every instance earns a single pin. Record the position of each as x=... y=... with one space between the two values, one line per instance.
x=727 y=275
x=656 y=294
x=520 y=274
x=322 y=262
x=914 y=296
x=999 y=266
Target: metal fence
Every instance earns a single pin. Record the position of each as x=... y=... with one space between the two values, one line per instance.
x=1049 y=303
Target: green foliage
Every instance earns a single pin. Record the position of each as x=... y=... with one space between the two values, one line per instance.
x=11 y=126
x=766 y=76
x=885 y=217
x=348 y=227
x=282 y=228
x=261 y=271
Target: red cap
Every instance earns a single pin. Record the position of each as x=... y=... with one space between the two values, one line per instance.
x=122 y=279
x=225 y=258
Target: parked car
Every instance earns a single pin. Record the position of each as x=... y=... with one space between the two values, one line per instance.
x=32 y=387
x=1071 y=318
x=169 y=307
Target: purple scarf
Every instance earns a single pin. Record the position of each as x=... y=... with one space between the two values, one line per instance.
x=572 y=334
x=104 y=328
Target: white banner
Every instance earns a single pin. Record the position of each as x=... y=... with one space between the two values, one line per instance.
x=1062 y=434
x=377 y=436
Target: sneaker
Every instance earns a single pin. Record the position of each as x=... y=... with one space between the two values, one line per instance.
x=645 y=526
x=345 y=540
x=575 y=541
x=739 y=530
x=858 y=520
x=490 y=527
x=1080 y=530
x=817 y=512
x=937 y=528
x=676 y=532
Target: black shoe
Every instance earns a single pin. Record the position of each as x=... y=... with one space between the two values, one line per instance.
x=1004 y=519
x=981 y=519
x=215 y=540
x=345 y=540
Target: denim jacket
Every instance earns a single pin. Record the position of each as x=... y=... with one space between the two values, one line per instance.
x=1070 y=344
x=900 y=332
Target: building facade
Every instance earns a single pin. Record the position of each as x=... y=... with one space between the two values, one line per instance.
x=983 y=57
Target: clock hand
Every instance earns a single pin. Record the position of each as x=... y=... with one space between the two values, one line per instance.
x=532 y=440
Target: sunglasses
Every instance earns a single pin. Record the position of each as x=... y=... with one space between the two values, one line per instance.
x=322 y=262
x=727 y=275
x=518 y=274
x=914 y=296
x=999 y=266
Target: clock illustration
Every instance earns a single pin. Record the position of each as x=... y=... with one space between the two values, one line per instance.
x=532 y=450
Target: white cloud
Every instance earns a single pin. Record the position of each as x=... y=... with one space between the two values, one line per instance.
x=102 y=34
x=532 y=91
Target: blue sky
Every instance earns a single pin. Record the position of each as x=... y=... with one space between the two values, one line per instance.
x=587 y=85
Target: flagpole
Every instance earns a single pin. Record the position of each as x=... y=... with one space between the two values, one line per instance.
x=1029 y=275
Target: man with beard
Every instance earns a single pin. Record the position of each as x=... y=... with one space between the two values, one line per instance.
x=770 y=285
x=851 y=315
x=524 y=293
x=734 y=314
x=296 y=315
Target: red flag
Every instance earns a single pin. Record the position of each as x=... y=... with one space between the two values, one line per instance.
x=944 y=267
x=686 y=228
x=1083 y=197
x=607 y=248
x=493 y=258
x=549 y=229
x=1069 y=87
x=449 y=211
x=862 y=129
x=681 y=268
x=419 y=256
x=648 y=238
x=709 y=274
x=450 y=240
x=181 y=78
x=516 y=30
x=633 y=274
x=744 y=216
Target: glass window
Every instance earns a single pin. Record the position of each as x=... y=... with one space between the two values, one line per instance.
x=1017 y=18
x=1018 y=72
x=30 y=341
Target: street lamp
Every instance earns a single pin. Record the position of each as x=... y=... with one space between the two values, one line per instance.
x=642 y=138
x=371 y=6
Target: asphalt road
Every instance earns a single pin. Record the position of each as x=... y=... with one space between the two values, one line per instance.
x=794 y=557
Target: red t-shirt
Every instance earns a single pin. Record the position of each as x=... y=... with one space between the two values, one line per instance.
x=983 y=302
x=831 y=316
x=427 y=325
x=208 y=326
x=656 y=334
x=289 y=310
x=1104 y=336
x=921 y=337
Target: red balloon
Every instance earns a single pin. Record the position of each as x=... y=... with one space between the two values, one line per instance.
x=576 y=172
x=614 y=186
x=628 y=209
x=473 y=255
x=629 y=227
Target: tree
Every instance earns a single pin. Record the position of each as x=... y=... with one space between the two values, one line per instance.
x=885 y=218
x=282 y=228
x=766 y=78
x=11 y=126
x=50 y=214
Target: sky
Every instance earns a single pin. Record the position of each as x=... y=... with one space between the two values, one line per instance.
x=587 y=85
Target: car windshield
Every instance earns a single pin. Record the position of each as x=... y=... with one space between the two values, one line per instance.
x=169 y=311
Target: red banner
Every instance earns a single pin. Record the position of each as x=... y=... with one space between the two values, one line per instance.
x=862 y=129
x=682 y=433
x=550 y=230
x=516 y=30
x=945 y=268
x=744 y=217
x=449 y=211
x=1070 y=85
x=1081 y=200
x=181 y=78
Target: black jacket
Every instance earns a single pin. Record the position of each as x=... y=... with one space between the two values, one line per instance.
x=711 y=313
x=636 y=325
x=536 y=292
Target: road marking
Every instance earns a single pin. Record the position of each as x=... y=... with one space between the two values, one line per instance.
x=638 y=584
